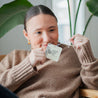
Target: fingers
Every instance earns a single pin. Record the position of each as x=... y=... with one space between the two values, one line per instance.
x=39 y=51
x=41 y=60
x=78 y=40
x=72 y=39
x=40 y=56
x=37 y=56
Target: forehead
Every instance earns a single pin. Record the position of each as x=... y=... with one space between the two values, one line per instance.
x=41 y=20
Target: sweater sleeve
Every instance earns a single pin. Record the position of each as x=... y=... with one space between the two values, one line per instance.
x=15 y=69
x=89 y=71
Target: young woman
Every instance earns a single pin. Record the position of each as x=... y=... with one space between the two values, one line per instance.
x=30 y=74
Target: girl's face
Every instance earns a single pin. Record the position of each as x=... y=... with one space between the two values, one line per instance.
x=41 y=30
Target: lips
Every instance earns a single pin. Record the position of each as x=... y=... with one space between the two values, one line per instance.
x=45 y=46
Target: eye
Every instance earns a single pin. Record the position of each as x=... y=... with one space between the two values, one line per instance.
x=51 y=30
x=38 y=32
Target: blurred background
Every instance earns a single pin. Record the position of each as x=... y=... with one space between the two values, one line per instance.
x=15 y=39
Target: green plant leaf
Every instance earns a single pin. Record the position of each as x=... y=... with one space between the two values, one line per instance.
x=12 y=14
x=93 y=6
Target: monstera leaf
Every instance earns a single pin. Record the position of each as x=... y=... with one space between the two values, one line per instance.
x=12 y=14
x=93 y=6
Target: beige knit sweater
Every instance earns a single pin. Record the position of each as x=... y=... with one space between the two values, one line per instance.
x=60 y=79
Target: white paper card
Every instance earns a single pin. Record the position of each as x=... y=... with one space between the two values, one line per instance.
x=53 y=52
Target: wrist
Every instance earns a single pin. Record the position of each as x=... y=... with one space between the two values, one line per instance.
x=32 y=64
x=85 y=53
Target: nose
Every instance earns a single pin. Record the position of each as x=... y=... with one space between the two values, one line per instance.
x=46 y=37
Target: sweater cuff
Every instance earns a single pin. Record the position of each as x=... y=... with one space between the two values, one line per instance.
x=85 y=53
x=23 y=71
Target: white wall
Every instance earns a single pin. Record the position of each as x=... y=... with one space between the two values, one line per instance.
x=15 y=39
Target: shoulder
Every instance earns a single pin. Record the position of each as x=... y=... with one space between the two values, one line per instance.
x=68 y=50
x=61 y=45
x=15 y=56
x=66 y=47
x=69 y=54
x=18 y=53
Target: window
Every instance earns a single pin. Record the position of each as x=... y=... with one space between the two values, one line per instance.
x=60 y=8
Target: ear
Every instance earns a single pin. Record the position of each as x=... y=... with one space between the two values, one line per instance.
x=25 y=34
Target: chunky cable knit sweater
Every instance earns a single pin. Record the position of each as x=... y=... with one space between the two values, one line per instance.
x=60 y=79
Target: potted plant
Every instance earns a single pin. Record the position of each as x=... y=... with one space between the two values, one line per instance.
x=12 y=14
x=92 y=7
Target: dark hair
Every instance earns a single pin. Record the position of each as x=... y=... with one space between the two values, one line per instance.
x=36 y=10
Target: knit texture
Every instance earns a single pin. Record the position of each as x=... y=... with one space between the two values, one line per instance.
x=60 y=79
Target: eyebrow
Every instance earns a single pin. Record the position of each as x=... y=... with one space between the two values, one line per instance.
x=48 y=28
x=52 y=27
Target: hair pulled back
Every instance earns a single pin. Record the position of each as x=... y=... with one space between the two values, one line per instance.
x=36 y=10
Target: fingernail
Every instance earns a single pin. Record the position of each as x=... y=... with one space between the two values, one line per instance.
x=78 y=47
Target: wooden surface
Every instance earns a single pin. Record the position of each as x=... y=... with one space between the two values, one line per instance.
x=89 y=93
x=1 y=57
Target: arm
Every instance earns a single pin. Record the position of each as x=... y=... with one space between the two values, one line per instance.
x=89 y=72
x=15 y=69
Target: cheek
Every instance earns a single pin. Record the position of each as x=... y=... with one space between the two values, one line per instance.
x=35 y=41
x=55 y=36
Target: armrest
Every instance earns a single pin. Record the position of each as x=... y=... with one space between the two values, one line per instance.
x=2 y=56
x=89 y=93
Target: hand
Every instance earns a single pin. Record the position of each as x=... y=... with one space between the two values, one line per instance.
x=78 y=40
x=37 y=56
